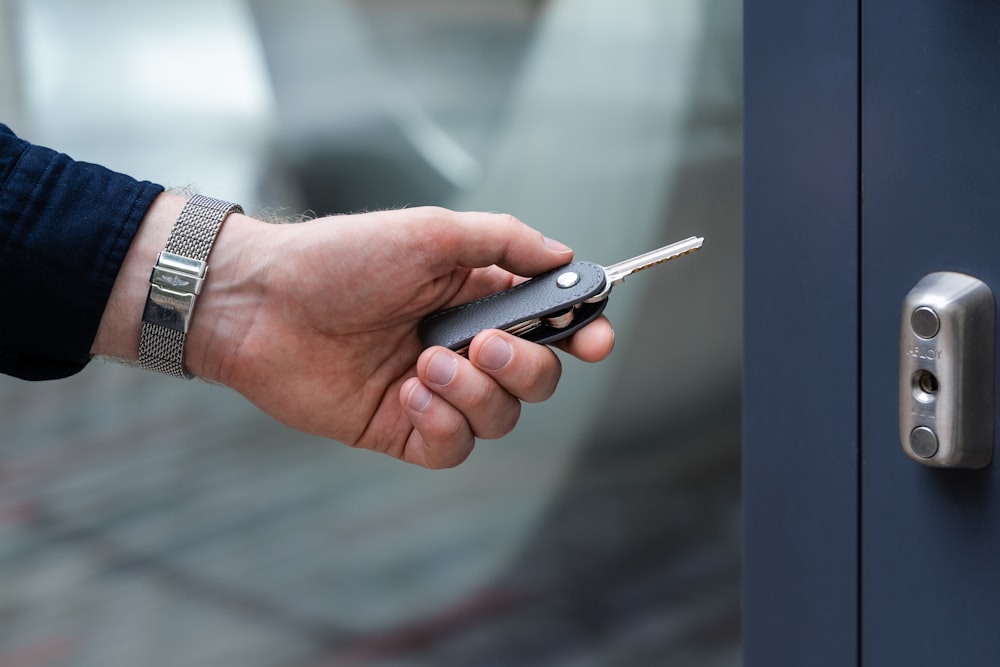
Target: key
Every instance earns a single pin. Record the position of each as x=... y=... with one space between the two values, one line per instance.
x=546 y=308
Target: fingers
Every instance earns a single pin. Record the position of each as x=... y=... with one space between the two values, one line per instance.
x=526 y=370
x=442 y=437
x=450 y=403
x=490 y=408
x=454 y=400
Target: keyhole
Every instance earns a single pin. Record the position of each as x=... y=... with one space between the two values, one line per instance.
x=925 y=386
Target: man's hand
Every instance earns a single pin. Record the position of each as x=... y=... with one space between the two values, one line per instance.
x=315 y=323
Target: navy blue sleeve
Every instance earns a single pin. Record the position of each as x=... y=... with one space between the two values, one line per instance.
x=65 y=227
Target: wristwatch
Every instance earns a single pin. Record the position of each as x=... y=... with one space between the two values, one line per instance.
x=175 y=283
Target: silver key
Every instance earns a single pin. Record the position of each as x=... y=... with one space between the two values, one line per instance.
x=616 y=273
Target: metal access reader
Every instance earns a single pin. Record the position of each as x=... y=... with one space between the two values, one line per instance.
x=946 y=371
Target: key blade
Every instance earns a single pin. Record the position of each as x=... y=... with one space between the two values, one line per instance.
x=616 y=273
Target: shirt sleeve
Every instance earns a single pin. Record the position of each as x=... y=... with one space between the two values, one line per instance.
x=65 y=227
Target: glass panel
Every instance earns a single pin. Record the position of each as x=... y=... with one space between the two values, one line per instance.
x=149 y=521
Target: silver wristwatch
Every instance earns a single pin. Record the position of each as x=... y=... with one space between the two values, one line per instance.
x=176 y=282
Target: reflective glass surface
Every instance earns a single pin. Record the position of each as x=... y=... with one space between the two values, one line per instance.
x=146 y=521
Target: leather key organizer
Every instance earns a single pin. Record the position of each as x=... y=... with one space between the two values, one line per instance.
x=547 y=308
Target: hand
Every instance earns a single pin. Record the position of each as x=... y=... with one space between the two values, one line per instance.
x=315 y=323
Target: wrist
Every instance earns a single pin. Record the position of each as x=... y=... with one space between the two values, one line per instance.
x=229 y=301
x=219 y=313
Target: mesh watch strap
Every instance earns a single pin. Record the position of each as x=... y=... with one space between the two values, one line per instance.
x=176 y=282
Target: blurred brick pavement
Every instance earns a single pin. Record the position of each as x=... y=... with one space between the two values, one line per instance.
x=205 y=534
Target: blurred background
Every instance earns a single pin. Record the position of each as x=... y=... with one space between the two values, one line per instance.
x=147 y=521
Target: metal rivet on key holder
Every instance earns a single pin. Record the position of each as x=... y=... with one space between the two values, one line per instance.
x=568 y=279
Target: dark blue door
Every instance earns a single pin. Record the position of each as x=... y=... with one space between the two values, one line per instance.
x=930 y=166
x=872 y=158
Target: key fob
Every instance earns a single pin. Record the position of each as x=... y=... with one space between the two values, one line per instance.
x=545 y=309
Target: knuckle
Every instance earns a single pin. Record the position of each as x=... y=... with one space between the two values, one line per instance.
x=433 y=220
x=541 y=378
x=452 y=434
x=430 y=212
x=452 y=451
x=482 y=398
x=510 y=220
x=447 y=453
x=501 y=422
x=454 y=459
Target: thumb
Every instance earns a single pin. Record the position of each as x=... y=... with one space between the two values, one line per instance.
x=475 y=239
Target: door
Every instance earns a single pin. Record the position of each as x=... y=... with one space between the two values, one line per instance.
x=872 y=159
x=930 y=164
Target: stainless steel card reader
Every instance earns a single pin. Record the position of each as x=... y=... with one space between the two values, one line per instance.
x=946 y=371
